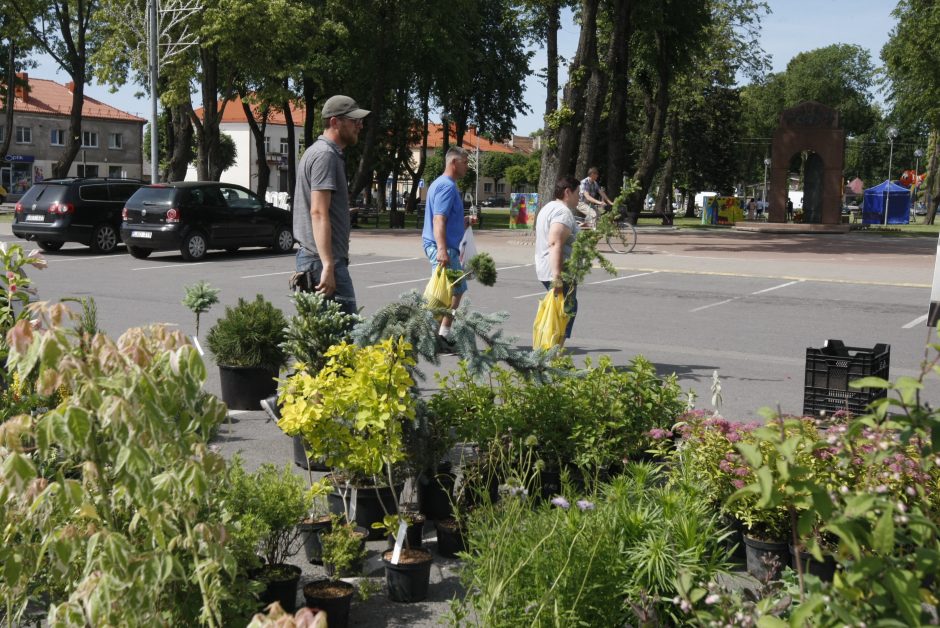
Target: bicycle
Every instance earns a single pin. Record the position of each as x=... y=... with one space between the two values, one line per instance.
x=619 y=233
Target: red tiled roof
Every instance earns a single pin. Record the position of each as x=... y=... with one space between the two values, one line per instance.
x=234 y=112
x=49 y=97
x=470 y=139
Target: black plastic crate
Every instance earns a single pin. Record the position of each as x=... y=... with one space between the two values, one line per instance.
x=829 y=371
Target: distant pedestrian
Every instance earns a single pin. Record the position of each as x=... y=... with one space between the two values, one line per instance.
x=591 y=196
x=751 y=208
x=444 y=227
x=789 y=210
x=555 y=231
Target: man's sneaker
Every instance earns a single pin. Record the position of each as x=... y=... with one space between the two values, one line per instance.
x=445 y=345
x=269 y=405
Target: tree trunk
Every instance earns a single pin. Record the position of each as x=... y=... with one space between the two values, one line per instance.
x=618 y=71
x=257 y=133
x=181 y=138
x=569 y=132
x=291 y=152
x=8 y=100
x=933 y=185
x=209 y=161
x=649 y=157
x=664 y=198
x=309 y=113
x=594 y=96
x=548 y=172
x=74 y=140
x=417 y=173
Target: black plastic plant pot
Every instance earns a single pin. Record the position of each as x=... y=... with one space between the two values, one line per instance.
x=281 y=585
x=301 y=459
x=450 y=538
x=408 y=581
x=243 y=387
x=761 y=555
x=435 y=494
x=310 y=533
x=334 y=597
x=414 y=532
x=824 y=570
x=369 y=508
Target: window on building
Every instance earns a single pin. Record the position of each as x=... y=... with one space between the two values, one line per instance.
x=116 y=172
x=487 y=187
x=24 y=135
x=87 y=171
x=284 y=147
x=267 y=144
x=90 y=140
x=115 y=140
x=500 y=188
x=57 y=137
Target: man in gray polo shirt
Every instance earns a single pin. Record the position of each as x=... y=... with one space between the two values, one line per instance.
x=321 y=204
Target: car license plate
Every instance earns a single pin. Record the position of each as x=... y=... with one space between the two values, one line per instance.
x=142 y=234
x=35 y=218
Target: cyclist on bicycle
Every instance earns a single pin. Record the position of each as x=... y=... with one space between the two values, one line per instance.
x=591 y=197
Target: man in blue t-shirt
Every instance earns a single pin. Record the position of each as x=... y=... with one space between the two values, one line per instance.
x=444 y=225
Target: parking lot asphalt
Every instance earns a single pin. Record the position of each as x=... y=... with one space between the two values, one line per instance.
x=745 y=305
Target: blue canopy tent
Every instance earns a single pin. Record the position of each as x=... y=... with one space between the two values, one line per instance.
x=899 y=204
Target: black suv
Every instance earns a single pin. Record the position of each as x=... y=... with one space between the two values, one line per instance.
x=57 y=211
x=195 y=216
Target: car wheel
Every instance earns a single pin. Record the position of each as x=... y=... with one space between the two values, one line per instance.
x=46 y=245
x=194 y=246
x=283 y=240
x=104 y=239
x=138 y=252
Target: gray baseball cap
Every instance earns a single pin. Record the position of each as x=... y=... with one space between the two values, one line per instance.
x=343 y=107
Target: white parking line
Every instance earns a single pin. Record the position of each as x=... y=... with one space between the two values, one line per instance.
x=399 y=283
x=914 y=323
x=783 y=285
x=592 y=283
x=705 y=307
x=176 y=266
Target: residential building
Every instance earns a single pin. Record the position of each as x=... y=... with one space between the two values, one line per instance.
x=471 y=141
x=111 y=138
x=245 y=171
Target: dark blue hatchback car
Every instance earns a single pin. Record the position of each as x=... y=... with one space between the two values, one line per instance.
x=195 y=216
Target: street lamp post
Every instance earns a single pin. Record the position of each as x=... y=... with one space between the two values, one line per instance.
x=892 y=133
x=764 y=199
x=916 y=184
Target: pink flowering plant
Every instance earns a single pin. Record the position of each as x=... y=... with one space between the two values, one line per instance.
x=872 y=484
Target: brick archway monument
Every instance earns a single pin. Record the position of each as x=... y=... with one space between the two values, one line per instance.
x=814 y=127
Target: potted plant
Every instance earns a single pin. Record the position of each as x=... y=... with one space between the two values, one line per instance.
x=318 y=519
x=199 y=298
x=270 y=503
x=318 y=325
x=343 y=550
x=352 y=414
x=246 y=343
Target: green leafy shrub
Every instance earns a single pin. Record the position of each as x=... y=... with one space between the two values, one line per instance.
x=118 y=508
x=249 y=334
x=318 y=325
x=610 y=561
x=199 y=298
x=342 y=547
x=269 y=504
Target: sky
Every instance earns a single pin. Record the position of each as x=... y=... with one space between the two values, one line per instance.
x=793 y=26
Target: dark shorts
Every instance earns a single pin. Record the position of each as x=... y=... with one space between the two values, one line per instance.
x=345 y=295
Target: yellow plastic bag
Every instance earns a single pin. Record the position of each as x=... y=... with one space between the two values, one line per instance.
x=439 y=290
x=550 y=321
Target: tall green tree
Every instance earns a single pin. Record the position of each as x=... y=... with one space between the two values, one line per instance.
x=15 y=47
x=913 y=71
x=63 y=30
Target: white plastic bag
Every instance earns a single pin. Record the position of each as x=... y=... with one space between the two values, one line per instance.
x=468 y=247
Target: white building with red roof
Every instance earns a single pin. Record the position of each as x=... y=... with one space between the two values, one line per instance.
x=111 y=138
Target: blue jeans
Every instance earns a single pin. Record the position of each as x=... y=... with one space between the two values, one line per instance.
x=571 y=304
x=345 y=295
x=431 y=251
